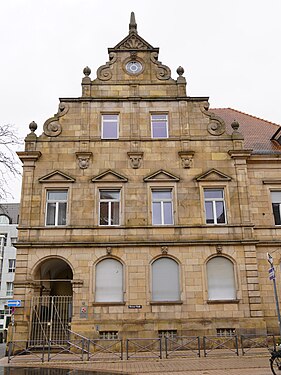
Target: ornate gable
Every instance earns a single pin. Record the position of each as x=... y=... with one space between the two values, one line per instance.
x=213 y=175
x=161 y=176
x=109 y=176
x=56 y=176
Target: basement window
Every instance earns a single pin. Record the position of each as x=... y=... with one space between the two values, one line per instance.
x=108 y=335
x=169 y=333
x=226 y=332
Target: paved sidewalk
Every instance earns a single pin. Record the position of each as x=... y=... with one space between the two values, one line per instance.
x=191 y=366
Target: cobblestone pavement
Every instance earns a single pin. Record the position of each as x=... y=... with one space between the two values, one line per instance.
x=195 y=366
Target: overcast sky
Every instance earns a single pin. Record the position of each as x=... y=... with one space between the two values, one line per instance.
x=230 y=50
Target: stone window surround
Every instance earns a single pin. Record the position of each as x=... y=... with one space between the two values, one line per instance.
x=159 y=113
x=102 y=121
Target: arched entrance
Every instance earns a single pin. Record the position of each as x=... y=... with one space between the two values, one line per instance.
x=51 y=308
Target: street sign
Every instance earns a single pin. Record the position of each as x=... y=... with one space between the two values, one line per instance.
x=14 y=303
x=271 y=273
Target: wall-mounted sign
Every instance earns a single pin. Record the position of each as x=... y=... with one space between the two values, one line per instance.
x=84 y=312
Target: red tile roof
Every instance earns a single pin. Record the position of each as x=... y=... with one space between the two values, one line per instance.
x=257 y=132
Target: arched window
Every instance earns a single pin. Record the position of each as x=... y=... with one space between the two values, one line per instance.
x=109 y=281
x=165 y=280
x=4 y=219
x=221 y=280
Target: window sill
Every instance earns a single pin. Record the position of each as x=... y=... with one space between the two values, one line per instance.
x=108 y=303
x=165 y=303
x=221 y=301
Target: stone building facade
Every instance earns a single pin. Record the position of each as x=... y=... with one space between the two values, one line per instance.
x=151 y=212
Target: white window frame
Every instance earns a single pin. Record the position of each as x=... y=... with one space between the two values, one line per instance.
x=154 y=121
x=110 y=201
x=4 y=219
x=275 y=200
x=113 y=121
x=162 y=201
x=57 y=202
x=214 y=200
x=11 y=265
x=10 y=289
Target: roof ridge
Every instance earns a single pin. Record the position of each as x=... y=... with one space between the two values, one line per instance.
x=247 y=114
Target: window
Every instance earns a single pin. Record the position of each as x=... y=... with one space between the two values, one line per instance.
x=276 y=205
x=214 y=206
x=108 y=335
x=165 y=280
x=109 y=281
x=170 y=333
x=10 y=289
x=4 y=219
x=159 y=126
x=3 y=239
x=110 y=127
x=109 y=207
x=2 y=314
x=56 y=207
x=12 y=265
x=221 y=280
x=162 y=207
x=225 y=332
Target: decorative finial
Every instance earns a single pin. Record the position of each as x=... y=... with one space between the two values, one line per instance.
x=180 y=70
x=235 y=126
x=133 y=24
x=33 y=126
x=87 y=71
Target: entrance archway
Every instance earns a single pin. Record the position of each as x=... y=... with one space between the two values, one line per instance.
x=51 y=308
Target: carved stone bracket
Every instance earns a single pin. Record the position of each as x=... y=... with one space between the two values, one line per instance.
x=135 y=159
x=163 y=72
x=216 y=124
x=83 y=159
x=104 y=73
x=52 y=127
x=164 y=249
x=108 y=250
x=186 y=158
x=219 y=249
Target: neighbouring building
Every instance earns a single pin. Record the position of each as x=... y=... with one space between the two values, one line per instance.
x=144 y=213
x=9 y=218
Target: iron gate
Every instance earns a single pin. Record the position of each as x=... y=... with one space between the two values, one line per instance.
x=50 y=319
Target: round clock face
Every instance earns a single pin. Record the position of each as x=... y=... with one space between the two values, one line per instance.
x=133 y=67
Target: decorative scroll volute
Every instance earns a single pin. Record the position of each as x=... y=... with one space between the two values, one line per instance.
x=104 y=72
x=163 y=72
x=52 y=127
x=216 y=124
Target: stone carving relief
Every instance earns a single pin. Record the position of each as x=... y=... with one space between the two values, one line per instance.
x=83 y=159
x=164 y=249
x=133 y=42
x=186 y=158
x=52 y=127
x=216 y=124
x=163 y=72
x=135 y=159
x=104 y=72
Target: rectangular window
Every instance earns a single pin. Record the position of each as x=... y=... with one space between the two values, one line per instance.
x=108 y=335
x=110 y=127
x=10 y=289
x=3 y=239
x=2 y=314
x=276 y=206
x=214 y=206
x=12 y=265
x=56 y=207
x=170 y=333
x=159 y=126
x=162 y=207
x=225 y=332
x=109 y=207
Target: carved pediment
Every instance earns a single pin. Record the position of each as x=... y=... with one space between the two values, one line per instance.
x=161 y=176
x=213 y=175
x=133 y=42
x=109 y=176
x=56 y=176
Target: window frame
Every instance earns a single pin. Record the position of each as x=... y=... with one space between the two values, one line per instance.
x=214 y=200
x=9 y=291
x=162 y=209
x=8 y=221
x=155 y=122
x=117 y=121
x=279 y=204
x=11 y=265
x=235 y=282
x=52 y=190
x=109 y=189
x=154 y=300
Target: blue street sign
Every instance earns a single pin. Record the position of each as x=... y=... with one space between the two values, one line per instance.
x=271 y=272
x=14 y=303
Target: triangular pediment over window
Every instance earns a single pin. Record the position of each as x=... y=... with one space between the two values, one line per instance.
x=213 y=175
x=161 y=175
x=56 y=176
x=109 y=176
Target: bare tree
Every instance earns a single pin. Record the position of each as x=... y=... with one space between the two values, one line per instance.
x=9 y=164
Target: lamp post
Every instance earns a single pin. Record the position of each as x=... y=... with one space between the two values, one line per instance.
x=272 y=277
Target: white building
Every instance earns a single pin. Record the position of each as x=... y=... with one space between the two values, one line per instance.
x=8 y=237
